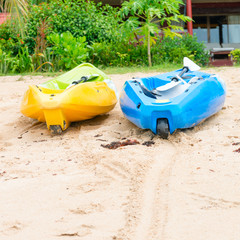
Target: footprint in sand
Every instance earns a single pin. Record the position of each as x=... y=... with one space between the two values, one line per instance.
x=214 y=203
x=82 y=232
x=10 y=228
x=86 y=209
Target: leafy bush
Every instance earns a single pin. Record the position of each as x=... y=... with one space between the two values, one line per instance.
x=169 y=50
x=18 y=64
x=23 y=61
x=10 y=40
x=198 y=49
x=236 y=55
x=41 y=53
x=69 y=51
x=175 y=49
x=120 y=54
x=5 y=62
x=79 y=17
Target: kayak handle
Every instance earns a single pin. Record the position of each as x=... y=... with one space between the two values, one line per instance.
x=179 y=76
x=184 y=70
x=82 y=80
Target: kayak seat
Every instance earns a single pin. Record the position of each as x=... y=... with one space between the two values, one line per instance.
x=55 y=84
x=146 y=91
x=168 y=86
x=174 y=91
x=61 y=85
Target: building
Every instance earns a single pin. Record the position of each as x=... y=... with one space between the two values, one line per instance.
x=217 y=24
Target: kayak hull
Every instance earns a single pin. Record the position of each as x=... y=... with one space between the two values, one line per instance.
x=197 y=100
x=63 y=106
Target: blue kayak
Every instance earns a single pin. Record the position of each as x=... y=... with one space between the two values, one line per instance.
x=173 y=100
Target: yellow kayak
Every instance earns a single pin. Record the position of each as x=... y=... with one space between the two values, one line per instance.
x=80 y=94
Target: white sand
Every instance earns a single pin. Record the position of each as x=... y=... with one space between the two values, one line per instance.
x=69 y=187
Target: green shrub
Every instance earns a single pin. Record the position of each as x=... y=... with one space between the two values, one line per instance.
x=169 y=50
x=175 y=49
x=236 y=55
x=6 y=62
x=120 y=54
x=10 y=39
x=22 y=62
x=68 y=51
x=81 y=18
x=18 y=64
x=166 y=50
x=198 y=49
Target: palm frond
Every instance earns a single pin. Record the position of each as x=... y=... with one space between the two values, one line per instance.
x=18 y=10
x=13 y=6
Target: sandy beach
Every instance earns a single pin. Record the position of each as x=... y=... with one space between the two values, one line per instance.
x=70 y=187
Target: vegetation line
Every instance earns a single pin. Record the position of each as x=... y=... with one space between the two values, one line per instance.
x=139 y=34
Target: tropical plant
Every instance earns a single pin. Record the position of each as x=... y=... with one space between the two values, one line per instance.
x=10 y=39
x=18 y=10
x=40 y=52
x=148 y=17
x=23 y=61
x=122 y=54
x=165 y=50
x=82 y=18
x=236 y=55
x=175 y=49
x=69 y=50
x=5 y=62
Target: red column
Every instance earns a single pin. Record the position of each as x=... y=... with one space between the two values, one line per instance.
x=189 y=14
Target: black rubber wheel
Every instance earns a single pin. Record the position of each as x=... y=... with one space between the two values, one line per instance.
x=55 y=129
x=163 y=128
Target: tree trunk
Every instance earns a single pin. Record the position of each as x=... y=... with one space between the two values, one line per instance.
x=149 y=50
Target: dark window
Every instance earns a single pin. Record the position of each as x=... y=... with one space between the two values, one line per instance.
x=217 y=29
